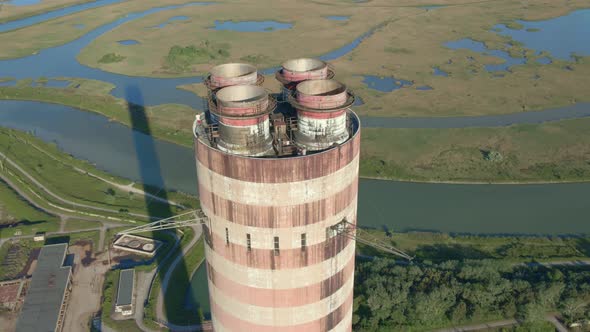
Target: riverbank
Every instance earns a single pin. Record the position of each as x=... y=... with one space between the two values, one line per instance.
x=61 y=182
x=553 y=152
x=514 y=249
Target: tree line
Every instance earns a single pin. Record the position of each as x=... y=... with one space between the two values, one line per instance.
x=391 y=297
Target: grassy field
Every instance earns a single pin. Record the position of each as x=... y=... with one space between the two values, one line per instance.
x=74 y=224
x=54 y=169
x=27 y=219
x=311 y=30
x=556 y=151
x=439 y=247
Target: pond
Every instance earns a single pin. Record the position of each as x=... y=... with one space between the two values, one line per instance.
x=128 y=42
x=440 y=72
x=424 y=88
x=561 y=36
x=251 y=26
x=480 y=47
x=338 y=18
x=385 y=84
x=170 y=20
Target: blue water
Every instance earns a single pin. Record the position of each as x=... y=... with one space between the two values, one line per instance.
x=560 y=36
x=117 y=149
x=440 y=72
x=23 y=2
x=384 y=84
x=8 y=83
x=338 y=18
x=480 y=47
x=170 y=20
x=424 y=88
x=128 y=42
x=432 y=7
x=544 y=60
x=54 y=14
x=251 y=26
x=57 y=83
x=60 y=61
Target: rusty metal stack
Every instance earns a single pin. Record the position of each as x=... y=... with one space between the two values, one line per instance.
x=274 y=262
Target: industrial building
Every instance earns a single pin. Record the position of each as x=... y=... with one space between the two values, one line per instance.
x=124 y=303
x=47 y=297
x=279 y=190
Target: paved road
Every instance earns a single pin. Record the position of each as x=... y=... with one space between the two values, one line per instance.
x=476 y=327
x=160 y=312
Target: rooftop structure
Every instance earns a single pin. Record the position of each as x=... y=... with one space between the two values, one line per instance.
x=124 y=303
x=137 y=244
x=274 y=259
x=46 y=300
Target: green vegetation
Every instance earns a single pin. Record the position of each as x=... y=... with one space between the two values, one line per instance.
x=75 y=224
x=109 y=293
x=60 y=177
x=111 y=58
x=255 y=58
x=178 y=287
x=555 y=151
x=14 y=257
x=426 y=296
x=439 y=247
x=25 y=218
x=177 y=283
x=180 y=59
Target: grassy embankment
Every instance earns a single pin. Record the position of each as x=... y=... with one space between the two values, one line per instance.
x=551 y=152
x=55 y=170
x=178 y=285
x=24 y=247
x=439 y=247
x=27 y=219
x=556 y=151
x=171 y=122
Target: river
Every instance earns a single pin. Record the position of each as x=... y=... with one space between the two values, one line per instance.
x=400 y=206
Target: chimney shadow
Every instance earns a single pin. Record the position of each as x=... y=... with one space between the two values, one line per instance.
x=150 y=172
